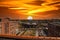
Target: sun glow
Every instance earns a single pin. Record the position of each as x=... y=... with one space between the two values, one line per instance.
x=30 y=18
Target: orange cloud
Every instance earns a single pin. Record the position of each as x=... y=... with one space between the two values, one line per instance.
x=24 y=8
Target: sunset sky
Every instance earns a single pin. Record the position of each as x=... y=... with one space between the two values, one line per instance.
x=37 y=9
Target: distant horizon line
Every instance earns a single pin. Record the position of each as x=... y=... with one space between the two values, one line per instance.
x=27 y=19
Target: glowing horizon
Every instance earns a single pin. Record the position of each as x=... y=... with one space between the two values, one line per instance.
x=30 y=18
